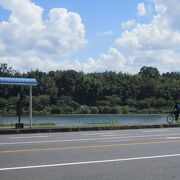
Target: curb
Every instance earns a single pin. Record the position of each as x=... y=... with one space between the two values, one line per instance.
x=75 y=129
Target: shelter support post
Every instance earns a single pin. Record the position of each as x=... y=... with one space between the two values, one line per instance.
x=30 y=106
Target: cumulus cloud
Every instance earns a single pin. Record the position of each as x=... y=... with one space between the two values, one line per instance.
x=156 y=43
x=27 y=41
x=141 y=9
x=128 y=24
x=149 y=37
x=25 y=32
x=33 y=62
x=169 y=10
x=113 y=59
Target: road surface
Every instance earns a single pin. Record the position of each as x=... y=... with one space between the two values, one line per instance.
x=143 y=154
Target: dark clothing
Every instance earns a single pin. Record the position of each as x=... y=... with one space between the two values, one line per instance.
x=176 y=113
x=176 y=110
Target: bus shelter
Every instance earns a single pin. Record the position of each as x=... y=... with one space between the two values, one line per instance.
x=29 y=82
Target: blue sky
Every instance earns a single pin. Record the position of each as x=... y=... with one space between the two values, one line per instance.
x=97 y=16
x=96 y=35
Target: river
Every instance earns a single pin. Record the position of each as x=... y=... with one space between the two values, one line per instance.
x=70 y=120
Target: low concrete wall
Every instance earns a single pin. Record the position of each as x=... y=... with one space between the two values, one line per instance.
x=73 y=129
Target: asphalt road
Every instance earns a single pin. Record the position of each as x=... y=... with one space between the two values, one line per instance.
x=144 y=154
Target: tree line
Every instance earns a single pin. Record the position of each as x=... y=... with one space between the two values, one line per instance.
x=62 y=92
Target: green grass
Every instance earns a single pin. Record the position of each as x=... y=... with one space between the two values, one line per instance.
x=6 y=125
x=44 y=124
x=34 y=124
x=112 y=122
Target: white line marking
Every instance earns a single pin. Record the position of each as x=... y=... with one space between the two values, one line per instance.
x=126 y=140
x=92 y=134
x=117 y=135
x=90 y=139
x=90 y=162
x=173 y=138
x=149 y=131
x=26 y=137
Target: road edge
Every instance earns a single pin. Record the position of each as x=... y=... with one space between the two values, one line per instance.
x=75 y=129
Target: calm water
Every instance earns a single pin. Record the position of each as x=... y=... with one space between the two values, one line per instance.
x=65 y=120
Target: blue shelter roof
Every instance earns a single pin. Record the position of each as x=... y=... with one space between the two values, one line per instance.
x=18 y=81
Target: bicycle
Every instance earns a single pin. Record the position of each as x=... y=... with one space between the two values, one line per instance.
x=171 y=118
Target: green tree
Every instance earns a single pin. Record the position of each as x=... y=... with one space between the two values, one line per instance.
x=149 y=73
x=6 y=71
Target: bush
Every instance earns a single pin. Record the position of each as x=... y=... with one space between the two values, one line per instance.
x=84 y=109
x=38 y=107
x=56 y=110
x=114 y=100
x=131 y=102
x=144 y=104
x=115 y=110
x=103 y=103
x=125 y=110
x=104 y=109
x=67 y=109
x=161 y=102
x=94 y=110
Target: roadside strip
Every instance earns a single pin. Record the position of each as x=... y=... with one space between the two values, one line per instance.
x=91 y=162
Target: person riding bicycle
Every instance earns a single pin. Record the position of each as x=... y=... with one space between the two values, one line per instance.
x=176 y=110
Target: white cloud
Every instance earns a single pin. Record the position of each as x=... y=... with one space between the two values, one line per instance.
x=2 y=47
x=29 y=42
x=113 y=59
x=128 y=24
x=169 y=10
x=25 y=32
x=141 y=9
x=149 y=37
x=34 y=62
x=156 y=43
x=23 y=13
x=65 y=31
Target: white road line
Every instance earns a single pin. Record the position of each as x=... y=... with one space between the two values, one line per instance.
x=26 y=137
x=90 y=162
x=149 y=131
x=126 y=140
x=93 y=134
x=89 y=139
x=117 y=135
x=173 y=138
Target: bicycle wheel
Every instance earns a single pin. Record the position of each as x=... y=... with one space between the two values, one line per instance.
x=170 y=118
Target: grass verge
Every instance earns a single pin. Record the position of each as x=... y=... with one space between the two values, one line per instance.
x=34 y=124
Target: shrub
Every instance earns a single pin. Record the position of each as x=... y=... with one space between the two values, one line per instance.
x=103 y=103
x=84 y=109
x=125 y=110
x=94 y=110
x=56 y=110
x=115 y=110
x=104 y=109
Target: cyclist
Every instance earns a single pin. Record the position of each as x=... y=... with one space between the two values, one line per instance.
x=176 y=110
